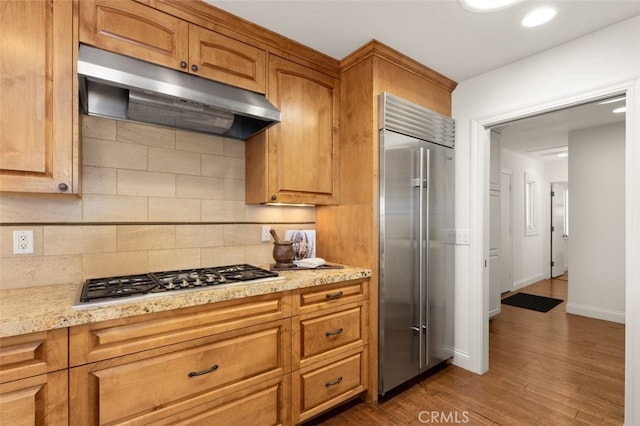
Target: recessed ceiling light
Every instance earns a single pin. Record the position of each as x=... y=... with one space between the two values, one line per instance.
x=538 y=17
x=559 y=151
x=610 y=101
x=487 y=5
x=620 y=110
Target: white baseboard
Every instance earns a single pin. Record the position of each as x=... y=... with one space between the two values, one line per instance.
x=596 y=312
x=528 y=281
x=462 y=360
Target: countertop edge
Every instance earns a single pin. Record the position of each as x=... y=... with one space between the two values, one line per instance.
x=42 y=308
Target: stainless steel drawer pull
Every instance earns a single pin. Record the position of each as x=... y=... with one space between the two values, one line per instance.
x=336 y=294
x=334 y=332
x=203 y=372
x=335 y=382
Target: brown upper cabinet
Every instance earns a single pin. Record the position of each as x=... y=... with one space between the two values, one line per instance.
x=38 y=114
x=295 y=161
x=139 y=31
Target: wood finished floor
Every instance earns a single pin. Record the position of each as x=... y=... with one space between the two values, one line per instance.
x=545 y=369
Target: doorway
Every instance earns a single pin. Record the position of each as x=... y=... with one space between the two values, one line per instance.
x=479 y=132
x=506 y=233
x=558 y=248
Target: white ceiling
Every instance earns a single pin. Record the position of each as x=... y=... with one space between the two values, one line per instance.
x=532 y=135
x=440 y=34
x=445 y=37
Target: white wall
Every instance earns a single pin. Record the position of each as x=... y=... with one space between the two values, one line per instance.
x=596 y=217
x=530 y=253
x=594 y=66
x=557 y=170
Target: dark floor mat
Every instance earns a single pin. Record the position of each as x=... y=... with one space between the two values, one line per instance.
x=531 y=301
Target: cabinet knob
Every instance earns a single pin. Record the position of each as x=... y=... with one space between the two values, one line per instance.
x=194 y=68
x=63 y=187
x=273 y=197
x=183 y=64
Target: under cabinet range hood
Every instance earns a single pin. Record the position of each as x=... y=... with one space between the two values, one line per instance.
x=124 y=88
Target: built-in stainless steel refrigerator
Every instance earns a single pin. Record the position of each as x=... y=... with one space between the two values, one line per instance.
x=417 y=240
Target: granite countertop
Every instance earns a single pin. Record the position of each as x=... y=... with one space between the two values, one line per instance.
x=28 y=310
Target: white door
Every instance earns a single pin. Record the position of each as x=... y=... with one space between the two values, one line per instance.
x=495 y=253
x=506 y=260
x=557 y=229
x=494 y=226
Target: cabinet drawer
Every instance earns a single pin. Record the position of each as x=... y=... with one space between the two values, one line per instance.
x=39 y=400
x=316 y=298
x=319 y=336
x=154 y=384
x=318 y=389
x=108 y=339
x=264 y=405
x=32 y=354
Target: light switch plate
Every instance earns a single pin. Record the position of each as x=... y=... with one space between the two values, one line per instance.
x=462 y=237
x=266 y=236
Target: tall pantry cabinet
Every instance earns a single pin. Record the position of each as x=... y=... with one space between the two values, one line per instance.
x=348 y=232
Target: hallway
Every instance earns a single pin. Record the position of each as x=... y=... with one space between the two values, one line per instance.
x=545 y=369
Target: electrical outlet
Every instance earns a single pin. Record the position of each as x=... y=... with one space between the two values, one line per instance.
x=22 y=242
x=266 y=236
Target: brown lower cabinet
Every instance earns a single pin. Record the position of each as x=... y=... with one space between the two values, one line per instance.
x=38 y=400
x=276 y=359
x=330 y=346
x=34 y=379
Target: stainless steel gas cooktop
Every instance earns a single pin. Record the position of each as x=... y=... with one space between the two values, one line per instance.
x=102 y=291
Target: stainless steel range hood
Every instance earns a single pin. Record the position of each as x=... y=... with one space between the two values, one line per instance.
x=124 y=88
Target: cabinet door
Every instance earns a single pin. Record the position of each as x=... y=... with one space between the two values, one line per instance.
x=37 y=400
x=296 y=160
x=135 y=30
x=224 y=59
x=38 y=144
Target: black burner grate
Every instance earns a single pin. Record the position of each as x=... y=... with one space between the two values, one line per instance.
x=157 y=282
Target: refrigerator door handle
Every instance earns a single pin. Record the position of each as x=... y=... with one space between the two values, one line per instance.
x=424 y=255
x=421 y=345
